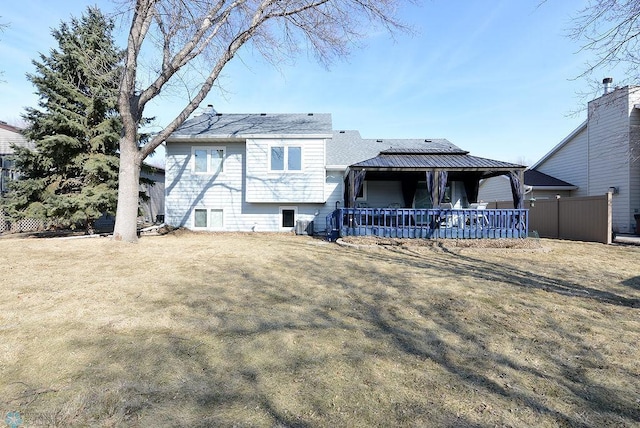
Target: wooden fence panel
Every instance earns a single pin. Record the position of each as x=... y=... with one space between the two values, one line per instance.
x=580 y=219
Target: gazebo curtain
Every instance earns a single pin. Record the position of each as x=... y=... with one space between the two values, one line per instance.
x=354 y=183
x=436 y=185
x=515 y=177
x=409 y=187
x=472 y=187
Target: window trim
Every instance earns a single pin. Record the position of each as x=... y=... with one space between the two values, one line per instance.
x=208 y=210
x=365 y=189
x=285 y=161
x=209 y=150
x=280 y=218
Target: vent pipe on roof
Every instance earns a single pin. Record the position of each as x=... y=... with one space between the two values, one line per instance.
x=606 y=83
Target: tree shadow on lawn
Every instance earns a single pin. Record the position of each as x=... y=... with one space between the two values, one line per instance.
x=600 y=398
x=337 y=349
x=632 y=282
x=465 y=265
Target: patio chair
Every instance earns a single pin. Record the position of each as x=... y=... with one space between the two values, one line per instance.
x=479 y=219
x=478 y=206
x=449 y=220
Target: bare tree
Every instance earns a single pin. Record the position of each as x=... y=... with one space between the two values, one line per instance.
x=183 y=31
x=3 y=26
x=610 y=29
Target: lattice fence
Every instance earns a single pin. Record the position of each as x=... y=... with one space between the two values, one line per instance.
x=25 y=225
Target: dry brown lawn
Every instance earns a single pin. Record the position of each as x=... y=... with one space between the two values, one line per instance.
x=198 y=330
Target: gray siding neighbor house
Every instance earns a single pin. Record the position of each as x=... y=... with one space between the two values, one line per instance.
x=601 y=155
x=275 y=172
x=10 y=136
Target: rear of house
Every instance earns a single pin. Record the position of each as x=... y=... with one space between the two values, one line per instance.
x=285 y=172
x=238 y=172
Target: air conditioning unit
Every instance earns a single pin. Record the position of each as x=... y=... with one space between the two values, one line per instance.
x=304 y=227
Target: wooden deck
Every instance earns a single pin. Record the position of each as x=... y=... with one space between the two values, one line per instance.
x=428 y=223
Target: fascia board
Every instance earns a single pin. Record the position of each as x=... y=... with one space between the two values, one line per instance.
x=284 y=136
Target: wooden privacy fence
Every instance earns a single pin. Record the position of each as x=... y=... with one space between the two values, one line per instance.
x=580 y=219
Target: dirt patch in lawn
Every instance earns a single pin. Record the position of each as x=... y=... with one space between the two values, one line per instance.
x=198 y=329
x=444 y=244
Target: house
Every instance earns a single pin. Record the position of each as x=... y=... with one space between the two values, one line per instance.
x=276 y=172
x=601 y=155
x=537 y=185
x=10 y=136
x=151 y=205
x=152 y=208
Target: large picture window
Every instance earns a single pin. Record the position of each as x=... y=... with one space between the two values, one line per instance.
x=208 y=160
x=286 y=158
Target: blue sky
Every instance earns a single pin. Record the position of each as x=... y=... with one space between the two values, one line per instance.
x=497 y=78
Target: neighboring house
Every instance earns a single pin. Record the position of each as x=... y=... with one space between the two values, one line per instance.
x=537 y=185
x=10 y=136
x=601 y=155
x=152 y=209
x=273 y=172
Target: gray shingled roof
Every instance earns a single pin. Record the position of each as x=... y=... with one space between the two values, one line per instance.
x=345 y=148
x=348 y=147
x=459 y=161
x=536 y=178
x=219 y=125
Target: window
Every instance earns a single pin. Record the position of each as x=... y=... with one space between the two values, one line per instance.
x=208 y=218
x=286 y=158
x=422 y=196
x=217 y=155
x=294 y=160
x=277 y=158
x=288 y=217
x=362 y=193
x=208 y=160
x=216 y=219
x=200 y=219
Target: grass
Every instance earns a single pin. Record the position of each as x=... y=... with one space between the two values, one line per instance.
x=288 y=331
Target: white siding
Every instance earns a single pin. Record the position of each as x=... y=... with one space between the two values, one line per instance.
x=186 y=192
x=381 y=194
x=569 y=163
x=634 y=168
x=264 y=185
x=609 y=156
x=605 y=155
x=334 y=191
x=495 y=189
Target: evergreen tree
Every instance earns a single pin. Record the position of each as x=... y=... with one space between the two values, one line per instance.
x=72 y=176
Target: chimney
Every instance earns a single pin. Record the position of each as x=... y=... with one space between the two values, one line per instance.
x=606 y=82
x=209 y=110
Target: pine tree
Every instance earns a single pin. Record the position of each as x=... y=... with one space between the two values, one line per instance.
x=72 y=176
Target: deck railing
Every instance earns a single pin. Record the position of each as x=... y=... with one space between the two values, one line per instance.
x=428 y=223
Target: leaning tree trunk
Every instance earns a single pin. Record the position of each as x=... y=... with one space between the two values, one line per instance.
x=128 y=193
